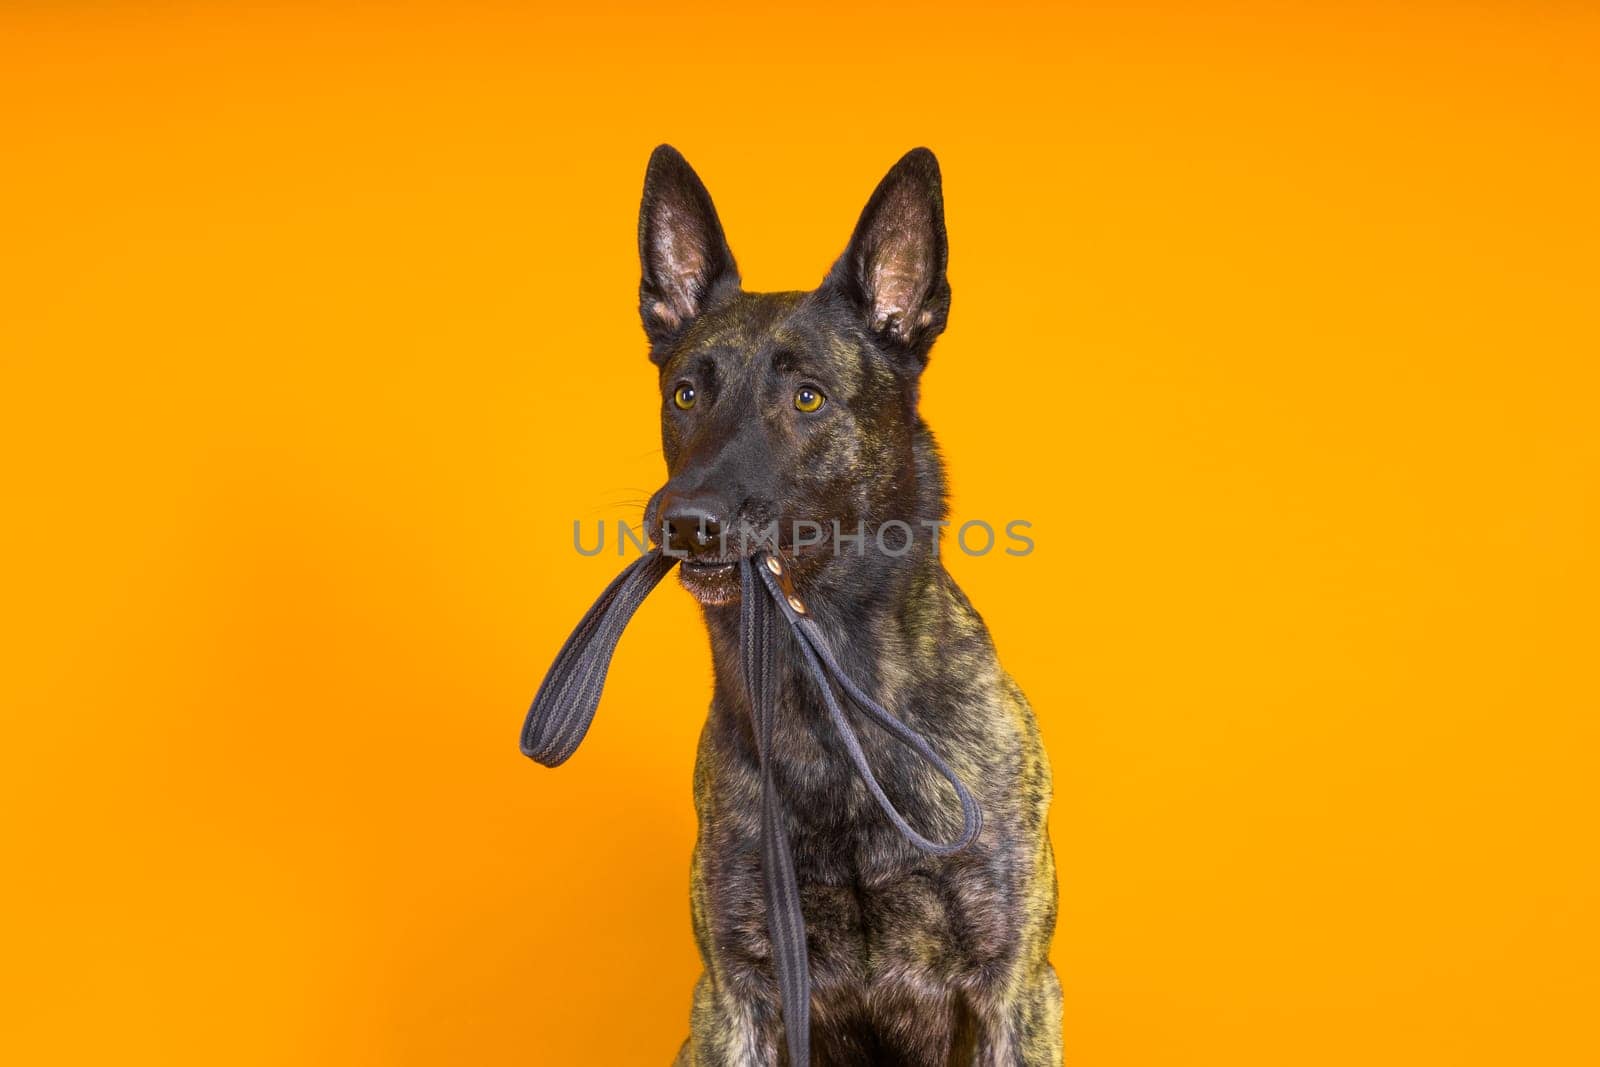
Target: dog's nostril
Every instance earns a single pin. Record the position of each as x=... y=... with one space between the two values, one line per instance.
x=693 y=531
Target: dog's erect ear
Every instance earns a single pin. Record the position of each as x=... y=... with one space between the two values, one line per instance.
x=684 y=256
x=894 y=268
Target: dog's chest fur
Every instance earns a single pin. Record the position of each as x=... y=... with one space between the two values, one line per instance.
x=906 y=949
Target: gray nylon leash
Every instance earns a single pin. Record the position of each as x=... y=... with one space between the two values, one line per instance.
x=568 y=697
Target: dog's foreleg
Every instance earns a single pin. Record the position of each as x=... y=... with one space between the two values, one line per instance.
x=727 y=1032
x=1026 y=1032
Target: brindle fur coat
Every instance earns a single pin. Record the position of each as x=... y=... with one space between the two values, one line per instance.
x=915 y=959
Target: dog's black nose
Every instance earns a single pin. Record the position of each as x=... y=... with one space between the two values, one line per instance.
x=693 y=525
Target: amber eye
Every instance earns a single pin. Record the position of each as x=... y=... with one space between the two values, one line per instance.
x=684 y=397
x=808 y=399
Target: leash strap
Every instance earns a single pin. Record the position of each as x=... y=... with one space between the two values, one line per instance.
x=565 y=704
x=786 y=922
x=822 y=666
x=570 y=693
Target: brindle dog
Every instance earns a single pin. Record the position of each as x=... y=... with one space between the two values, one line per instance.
x=779 y=407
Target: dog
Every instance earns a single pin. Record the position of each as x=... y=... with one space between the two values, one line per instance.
x=790 y=408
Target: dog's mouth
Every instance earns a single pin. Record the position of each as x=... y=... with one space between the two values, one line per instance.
x=711 y=581
x=708 y=565
x=714 y=579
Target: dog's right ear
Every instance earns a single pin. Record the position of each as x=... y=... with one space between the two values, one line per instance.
x=684 y=256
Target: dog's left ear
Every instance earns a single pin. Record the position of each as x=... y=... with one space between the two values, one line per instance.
x=894 y=267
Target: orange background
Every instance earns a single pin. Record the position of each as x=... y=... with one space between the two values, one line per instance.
x=1280 y=324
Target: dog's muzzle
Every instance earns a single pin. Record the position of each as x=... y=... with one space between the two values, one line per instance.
x=570 y=693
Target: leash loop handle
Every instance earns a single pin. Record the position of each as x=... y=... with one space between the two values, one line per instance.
x=564 y=707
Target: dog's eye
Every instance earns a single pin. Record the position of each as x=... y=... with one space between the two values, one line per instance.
x=684 y=397
x=808 y=399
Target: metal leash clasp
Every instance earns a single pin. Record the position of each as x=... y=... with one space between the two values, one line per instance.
x=785 y=582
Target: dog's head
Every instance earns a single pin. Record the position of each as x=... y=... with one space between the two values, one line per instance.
x=792 y=417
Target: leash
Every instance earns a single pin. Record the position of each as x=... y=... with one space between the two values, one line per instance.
x=567 y=699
